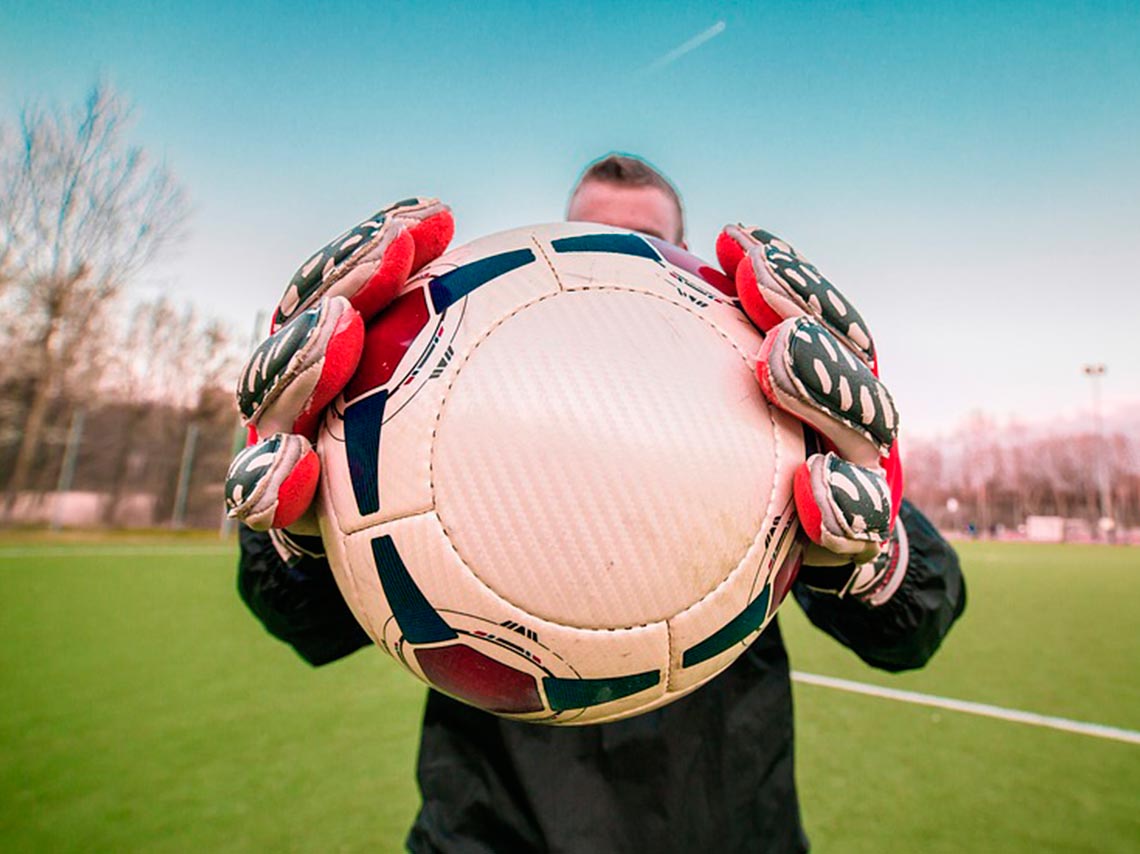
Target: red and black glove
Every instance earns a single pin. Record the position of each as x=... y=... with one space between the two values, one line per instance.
x=316 y=343
x=818 y=363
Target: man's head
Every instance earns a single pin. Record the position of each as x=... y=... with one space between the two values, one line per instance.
x=626 y=192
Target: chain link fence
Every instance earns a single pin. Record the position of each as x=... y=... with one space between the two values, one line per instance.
x=115 y=464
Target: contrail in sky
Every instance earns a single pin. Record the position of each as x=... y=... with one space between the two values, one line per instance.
x=691 y=45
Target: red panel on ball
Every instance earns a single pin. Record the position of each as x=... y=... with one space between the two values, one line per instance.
x=689 y=262
x=469 y=675
x=786 y=575
x=386 y=340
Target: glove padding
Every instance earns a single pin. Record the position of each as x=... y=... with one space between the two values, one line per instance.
x=818 y=363
x=315 y=347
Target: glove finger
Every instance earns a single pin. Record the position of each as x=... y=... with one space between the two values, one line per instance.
x=296 y=372
x=774 y=283
x=806 y=372
x=873 y=582
x=272 y=484
x=732 y=244
x=431 y=225
x=294 y=546
x=732 y=247
x=370 y=263
x=876 y=582
x=843 y=507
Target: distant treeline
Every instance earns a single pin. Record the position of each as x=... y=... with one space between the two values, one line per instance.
x=990 y=476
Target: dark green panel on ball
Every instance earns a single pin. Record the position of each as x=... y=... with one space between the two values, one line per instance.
x=564 y=694
x=733 y=632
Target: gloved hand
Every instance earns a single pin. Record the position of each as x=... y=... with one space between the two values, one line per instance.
x=316 y=341
x=818 y=364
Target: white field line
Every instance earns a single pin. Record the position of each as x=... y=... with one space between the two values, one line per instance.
x=1032 y=719
x=116 y=551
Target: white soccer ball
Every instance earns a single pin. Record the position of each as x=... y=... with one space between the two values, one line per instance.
x=553 y=489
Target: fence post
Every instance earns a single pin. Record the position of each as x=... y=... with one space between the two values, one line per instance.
x=67 y=469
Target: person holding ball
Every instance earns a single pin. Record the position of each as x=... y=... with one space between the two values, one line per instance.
x=714 y=767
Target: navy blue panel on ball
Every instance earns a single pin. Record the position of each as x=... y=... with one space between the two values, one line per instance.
x=455 y=284
x=621 y=244
x=732 y=632
x=362 y=440
x=418 y=620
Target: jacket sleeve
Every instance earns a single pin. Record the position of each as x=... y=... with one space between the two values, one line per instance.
x=904 y=632
x=296 y=600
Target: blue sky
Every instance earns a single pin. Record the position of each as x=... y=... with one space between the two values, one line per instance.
x=969 y=173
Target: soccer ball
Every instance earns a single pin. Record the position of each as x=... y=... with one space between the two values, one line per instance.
x=553 y=489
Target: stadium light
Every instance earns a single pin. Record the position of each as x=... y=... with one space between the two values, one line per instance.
x=1107 y=522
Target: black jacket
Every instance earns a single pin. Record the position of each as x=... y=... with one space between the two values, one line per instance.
x=713 y=769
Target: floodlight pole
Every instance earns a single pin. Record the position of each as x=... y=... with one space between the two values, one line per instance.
x=67 y=469
x=1095 y=373
x=178 y=517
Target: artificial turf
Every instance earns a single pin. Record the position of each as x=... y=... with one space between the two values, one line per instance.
x=144 y=710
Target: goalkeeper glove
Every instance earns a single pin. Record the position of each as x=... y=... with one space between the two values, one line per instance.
x=316 y=343
x=818 y=363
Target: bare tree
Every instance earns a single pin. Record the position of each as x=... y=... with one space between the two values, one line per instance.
x=83 y=212
x=170 y=355
x=10 y=200
x=164 y=375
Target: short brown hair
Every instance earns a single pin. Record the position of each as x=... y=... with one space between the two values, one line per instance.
x=627 y=170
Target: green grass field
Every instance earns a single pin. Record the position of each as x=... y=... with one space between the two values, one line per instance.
x=143 y=710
